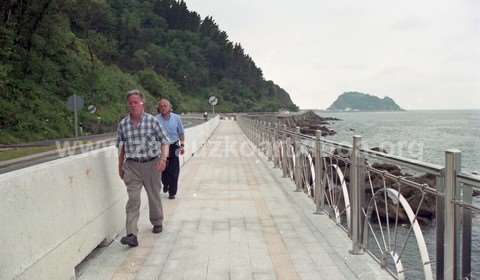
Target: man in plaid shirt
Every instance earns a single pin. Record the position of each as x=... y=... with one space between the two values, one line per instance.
x=143 y=145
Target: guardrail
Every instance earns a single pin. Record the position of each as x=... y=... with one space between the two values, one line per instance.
x=383 y=202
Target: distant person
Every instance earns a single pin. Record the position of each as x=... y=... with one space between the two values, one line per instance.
x=174 y=127
x=143 y=145
x=205 y=116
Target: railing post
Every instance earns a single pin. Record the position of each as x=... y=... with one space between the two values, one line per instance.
x=264 y=145
x=257 y=132
x=285 y=152
x=271 y=131
x=254 y=140
x=466 y=216
x=357 y=194
x=265 y=138
x=274 y=144
x=440 y=227
x=262 y=135
x=452 y=168
x=319 y=187
x=261 y=132
x=297 y=155
x=253 y=132
x=288 y=154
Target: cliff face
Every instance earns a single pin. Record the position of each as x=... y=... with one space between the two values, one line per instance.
x=357 y=101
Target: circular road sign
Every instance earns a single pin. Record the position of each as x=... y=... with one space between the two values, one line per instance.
x=213 y=100
x=92 y=109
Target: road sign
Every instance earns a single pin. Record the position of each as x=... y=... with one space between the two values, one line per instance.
x=75 y=103
x=213 y=100
x=92 y=109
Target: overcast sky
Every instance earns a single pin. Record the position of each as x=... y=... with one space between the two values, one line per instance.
x=424 y=54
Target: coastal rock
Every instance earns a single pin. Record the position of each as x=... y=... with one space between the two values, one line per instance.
x=375 y=181
x=308 y=122
x=390 y=168
x=378 y=149
x=424 y=202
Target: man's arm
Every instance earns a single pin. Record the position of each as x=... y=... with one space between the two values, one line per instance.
x=121 y=155
x=121 y=160
x=162 y=163
x=181 y=134
x=182 y=144
x=164 y=146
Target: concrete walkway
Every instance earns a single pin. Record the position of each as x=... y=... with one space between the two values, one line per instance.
x=234 y=218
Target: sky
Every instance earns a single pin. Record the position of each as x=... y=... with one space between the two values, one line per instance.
x=423 y=54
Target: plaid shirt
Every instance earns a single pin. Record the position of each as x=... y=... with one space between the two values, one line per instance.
x=141 y=142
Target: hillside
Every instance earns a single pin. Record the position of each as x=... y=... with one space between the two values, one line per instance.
x=99 y=49
x=357 y=101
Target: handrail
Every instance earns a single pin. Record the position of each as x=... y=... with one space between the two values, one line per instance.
x=323 y=176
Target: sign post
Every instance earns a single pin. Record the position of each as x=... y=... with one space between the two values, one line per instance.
x=213 y=100
x=75 y=103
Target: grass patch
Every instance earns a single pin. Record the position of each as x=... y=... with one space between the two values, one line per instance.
x=22 y=152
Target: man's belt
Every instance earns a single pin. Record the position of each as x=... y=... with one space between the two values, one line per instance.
x=142 y=160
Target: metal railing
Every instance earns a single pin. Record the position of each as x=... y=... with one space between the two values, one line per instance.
x=413 y=218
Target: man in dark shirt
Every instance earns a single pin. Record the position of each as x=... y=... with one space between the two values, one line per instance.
x=175 y=132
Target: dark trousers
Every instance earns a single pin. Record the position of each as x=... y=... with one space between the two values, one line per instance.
x=171 y=172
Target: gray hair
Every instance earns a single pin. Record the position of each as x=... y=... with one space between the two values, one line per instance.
x=166 y=100
x=135 y=92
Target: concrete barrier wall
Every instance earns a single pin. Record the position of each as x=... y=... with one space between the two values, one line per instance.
x=54 y=214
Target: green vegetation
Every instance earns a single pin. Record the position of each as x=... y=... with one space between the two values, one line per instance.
x=357 y=101
x=23 y=152
x=99 y=49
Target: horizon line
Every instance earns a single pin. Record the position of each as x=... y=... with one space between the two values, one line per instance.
x=403 y=110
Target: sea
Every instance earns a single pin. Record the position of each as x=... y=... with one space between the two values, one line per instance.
x=423 y=135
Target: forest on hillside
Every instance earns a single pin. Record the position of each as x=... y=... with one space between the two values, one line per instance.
x=99 y=49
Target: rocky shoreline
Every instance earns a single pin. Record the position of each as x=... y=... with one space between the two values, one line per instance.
x=421 y=201
x=425 y=202
x=308 y=122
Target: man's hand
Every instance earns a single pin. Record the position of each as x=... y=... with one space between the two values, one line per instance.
x=161 y=164
x=121 y=172
x=182 y=148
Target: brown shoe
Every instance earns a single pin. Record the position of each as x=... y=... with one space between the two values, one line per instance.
x=157 y=229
